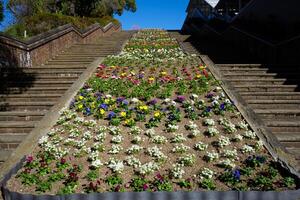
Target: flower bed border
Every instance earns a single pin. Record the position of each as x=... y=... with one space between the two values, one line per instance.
x=195 y=195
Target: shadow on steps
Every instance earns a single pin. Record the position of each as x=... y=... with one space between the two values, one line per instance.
x=13 y=79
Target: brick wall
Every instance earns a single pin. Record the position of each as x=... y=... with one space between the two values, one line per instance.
x=40 y=48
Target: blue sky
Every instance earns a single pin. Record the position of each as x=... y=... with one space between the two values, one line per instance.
x=166 y=14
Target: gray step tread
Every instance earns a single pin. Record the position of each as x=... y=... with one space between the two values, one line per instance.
x=289 y=123
x=17 y=124
x=22 y=113
x=34 y=103
x=287 y=136
x=266 y=86
x=277 y=111
x=29 y=95
x=4 y=154
x=12 y=137
x=270 y=93
x=263 y=101
x=43 y=88
x=239 y=65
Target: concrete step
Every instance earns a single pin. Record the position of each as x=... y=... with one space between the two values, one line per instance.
x=33 y=75
x=253 y=75
x=273 y=104
x=4 y=154
x=36 y=90
x=282 y=114
x=16 y=127
x=42 y=83
x=71 y=62
x=29 y=97
x=267 y=88
x=22 y=115
x=12 y=138
x=262 y=81
x=288 y=136
x=270 y=95
x=283 y=126
x=295 y=152
x=26 y=106
x=248 y=65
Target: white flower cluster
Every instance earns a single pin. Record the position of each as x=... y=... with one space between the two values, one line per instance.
x=96 y=163
x=158 y=139
x=191 y=126
x=242 y=125
x=178 y=138
x=115 y=165
x=212 y=131
x=87 y=135
x=148 y=168
x=134 y=149
x=223 y=141
x=201 y=146
x=228 y=126
x=195 y=133
x=237 y=138
x=114 y=130
x=206 y=173
x=247 y=149
x=187 y=160
x=177 y=172
x=136 y=139
x=211 y=156
x=135 y=130
x=250 y=135
x=180 y=148
x=230 y=154
x=115 y=149
x=172 y=128
x=133 y=162
x=117 y=139
x=209 y=122
x=100 y=137
x=227 y=163
x=150 y=132
x=156 y=153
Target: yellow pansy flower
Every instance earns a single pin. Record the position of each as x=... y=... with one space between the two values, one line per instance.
x=163 y=73
x=123 y=114
x=157 y=114
x=151 y=79
x=102 y=111
x=202 y=67
x=80 y=106
x=123 y=74
x=81 y=97
x=198 y=76
x=107 y=101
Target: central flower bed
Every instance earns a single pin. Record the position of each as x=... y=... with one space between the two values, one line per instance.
x=150 y=119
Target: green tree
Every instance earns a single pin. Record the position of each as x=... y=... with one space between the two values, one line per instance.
x=1 y=10
x=82 y=8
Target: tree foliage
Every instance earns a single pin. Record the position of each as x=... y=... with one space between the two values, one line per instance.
x=82 y=8
x=1 y=10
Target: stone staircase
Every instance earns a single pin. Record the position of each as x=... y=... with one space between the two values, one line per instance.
x=27 y=94
x=272 y=92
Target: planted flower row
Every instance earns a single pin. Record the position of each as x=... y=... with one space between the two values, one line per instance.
x=156 y=122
